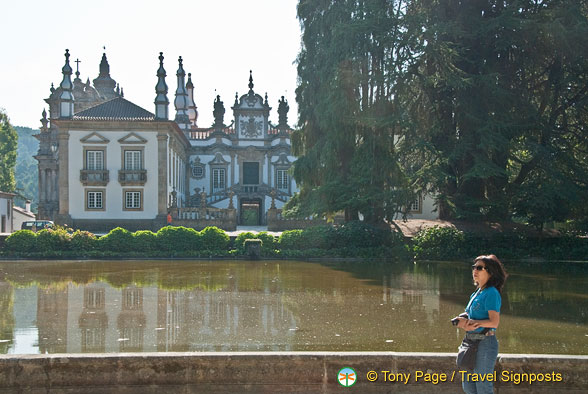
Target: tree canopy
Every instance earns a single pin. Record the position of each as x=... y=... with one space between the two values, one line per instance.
x=481 y=103
x=8 y=143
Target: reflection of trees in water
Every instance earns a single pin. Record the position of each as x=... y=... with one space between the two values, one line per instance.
x=227 y=305
x=6 y=316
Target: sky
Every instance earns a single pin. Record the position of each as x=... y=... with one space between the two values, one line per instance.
x=219 y=41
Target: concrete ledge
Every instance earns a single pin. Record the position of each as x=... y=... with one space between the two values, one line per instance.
x=273 y=372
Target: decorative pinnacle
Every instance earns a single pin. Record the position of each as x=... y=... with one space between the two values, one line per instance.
x=250 y=80
x=78 y=61
x=66 y=68
x=180 y=61
x=161 y=58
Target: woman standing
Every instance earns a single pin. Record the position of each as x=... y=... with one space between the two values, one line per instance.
x=483 y=312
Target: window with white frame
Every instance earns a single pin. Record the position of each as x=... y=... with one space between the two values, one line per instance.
x=133 y=160
x=94 y=200
x=133 y=200
x=218 y=179
x=282 y=181
x=415 y=206
x=94 y=160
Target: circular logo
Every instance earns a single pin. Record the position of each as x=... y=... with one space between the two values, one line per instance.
x=347 y=377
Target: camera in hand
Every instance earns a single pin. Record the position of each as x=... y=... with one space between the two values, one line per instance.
x=455 y=320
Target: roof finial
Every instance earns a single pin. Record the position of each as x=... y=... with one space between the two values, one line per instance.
x=161 y=101
x=250 y=81
x=192 y=110
x=44 y=121
x=66 y=97
x=181 y=101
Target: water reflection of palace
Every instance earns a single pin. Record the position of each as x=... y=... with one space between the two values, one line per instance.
x=99 y=318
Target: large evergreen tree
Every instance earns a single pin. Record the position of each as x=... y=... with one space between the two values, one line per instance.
x=499 y=101
x=350 y=55
x=8 y=143
x=482 y=103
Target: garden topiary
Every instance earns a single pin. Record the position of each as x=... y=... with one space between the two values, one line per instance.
x=214 y=238
x=144 y=240
x=83 y=241
x=21 y=241
x=177 y=239
x=117 y=240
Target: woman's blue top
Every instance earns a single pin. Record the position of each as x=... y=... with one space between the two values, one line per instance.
x=482 y=301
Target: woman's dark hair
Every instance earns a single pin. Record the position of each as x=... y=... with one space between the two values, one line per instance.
x=495 y=269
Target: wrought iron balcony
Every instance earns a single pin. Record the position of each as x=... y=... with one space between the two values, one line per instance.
x=94 y=177
x=132 y=177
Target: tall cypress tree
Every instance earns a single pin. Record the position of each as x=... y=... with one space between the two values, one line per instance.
x=347 y=111
x=8 y=143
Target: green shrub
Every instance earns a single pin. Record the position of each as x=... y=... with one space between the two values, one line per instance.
x=214 y=238
x=21 y=241
x=83 y=241
x=176 y=239
x=291 y=240
x=440 y=243
x=269 y=243
x=358 y=234
x=53 y=239
x=144 y=240
x=320 y=237
x=117 y=240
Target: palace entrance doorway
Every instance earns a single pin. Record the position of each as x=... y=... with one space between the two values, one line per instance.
x=250 y=212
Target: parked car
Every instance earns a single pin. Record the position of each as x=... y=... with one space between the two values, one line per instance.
x=36 y=225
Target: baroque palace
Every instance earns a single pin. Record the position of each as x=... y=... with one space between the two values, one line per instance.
x=106 y=162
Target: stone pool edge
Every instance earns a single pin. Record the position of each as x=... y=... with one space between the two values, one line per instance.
x=271 y=372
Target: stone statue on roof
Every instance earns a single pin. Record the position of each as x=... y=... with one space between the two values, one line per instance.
x=219 y=112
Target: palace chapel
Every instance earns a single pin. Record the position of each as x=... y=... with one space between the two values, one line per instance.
x=105 y=162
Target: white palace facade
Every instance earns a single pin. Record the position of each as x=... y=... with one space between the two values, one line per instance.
x=106 y=162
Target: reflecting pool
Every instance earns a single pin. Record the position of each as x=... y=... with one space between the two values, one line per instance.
x=146 y=306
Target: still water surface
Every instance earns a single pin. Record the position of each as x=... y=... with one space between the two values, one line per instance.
x=146 y=306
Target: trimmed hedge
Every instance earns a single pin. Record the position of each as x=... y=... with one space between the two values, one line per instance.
x=21 y=241
x=448 y=243
x=354 y=239
x=178 y=239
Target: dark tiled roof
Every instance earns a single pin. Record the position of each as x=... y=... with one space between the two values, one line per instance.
x=116 y=109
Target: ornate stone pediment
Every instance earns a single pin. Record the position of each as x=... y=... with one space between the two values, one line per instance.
x=94 y=138
x=197 y=168
x=132 y=138
x=218 y=160
x=282 y=160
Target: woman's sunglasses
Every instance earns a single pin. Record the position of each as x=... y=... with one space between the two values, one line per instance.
x=478 y=267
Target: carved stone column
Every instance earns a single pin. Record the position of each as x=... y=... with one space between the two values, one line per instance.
x=64 y=217
x=162 y=173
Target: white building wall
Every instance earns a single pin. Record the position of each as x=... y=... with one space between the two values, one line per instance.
x=19 y=218
x=114 y=195
x=6 y=213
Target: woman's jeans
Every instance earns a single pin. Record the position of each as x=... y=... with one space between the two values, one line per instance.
x=485 y=360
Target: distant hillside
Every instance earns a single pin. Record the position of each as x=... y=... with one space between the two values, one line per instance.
x=26 y=172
